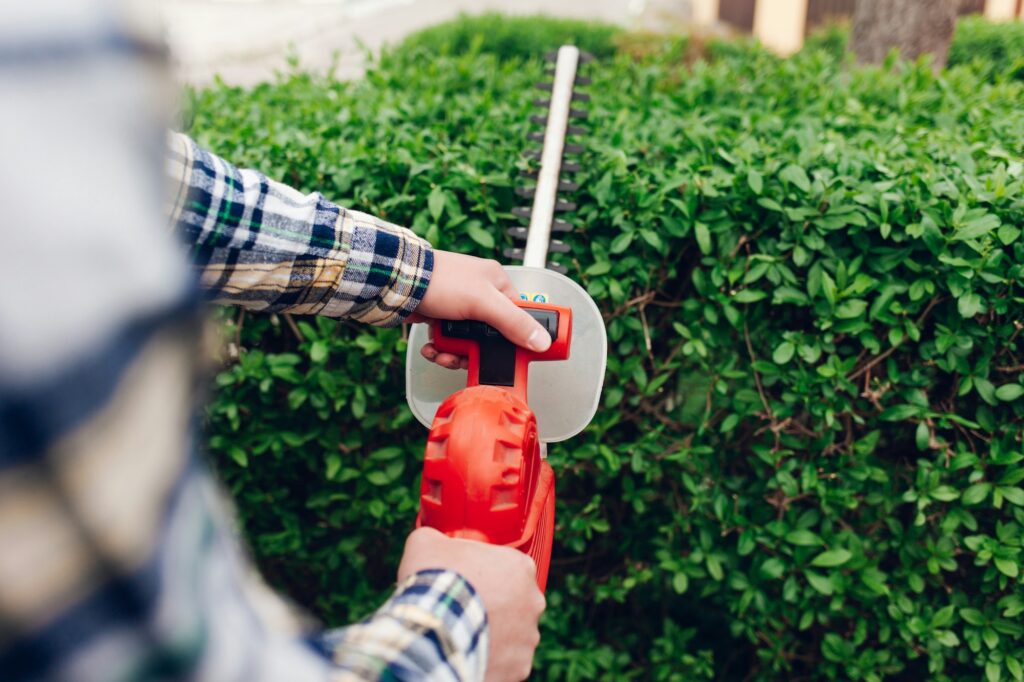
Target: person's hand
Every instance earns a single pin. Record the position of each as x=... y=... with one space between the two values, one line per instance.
x=505 y=579
x=468 y=288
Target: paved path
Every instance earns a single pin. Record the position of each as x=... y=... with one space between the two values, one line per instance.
x=246 y=42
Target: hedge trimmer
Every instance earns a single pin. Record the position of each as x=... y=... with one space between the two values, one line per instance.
x=485 y=474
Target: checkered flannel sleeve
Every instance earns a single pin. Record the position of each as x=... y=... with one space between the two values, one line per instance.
x=267 y=247
x=400 y=641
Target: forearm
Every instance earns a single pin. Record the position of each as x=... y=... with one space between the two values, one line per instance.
x=267 y=247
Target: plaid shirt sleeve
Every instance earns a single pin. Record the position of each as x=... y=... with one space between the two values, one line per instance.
x=265 y=246
x=401 y=640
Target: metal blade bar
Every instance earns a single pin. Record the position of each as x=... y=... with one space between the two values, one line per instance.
x=539 y=235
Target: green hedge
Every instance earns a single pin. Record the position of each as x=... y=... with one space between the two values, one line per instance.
x=995 y=48
x=512 y=37
x=807 y=464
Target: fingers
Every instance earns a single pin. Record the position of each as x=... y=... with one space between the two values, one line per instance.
x=448 y=360
x=514 y=323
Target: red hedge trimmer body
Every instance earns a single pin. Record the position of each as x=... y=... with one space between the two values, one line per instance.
x=483 y=475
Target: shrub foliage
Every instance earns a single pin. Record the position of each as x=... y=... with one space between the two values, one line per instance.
x=807 y=464
x=995 y=48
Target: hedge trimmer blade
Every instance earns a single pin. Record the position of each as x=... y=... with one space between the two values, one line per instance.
x=545 y=194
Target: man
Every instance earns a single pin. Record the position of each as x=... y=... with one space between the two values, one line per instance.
x=116 y=562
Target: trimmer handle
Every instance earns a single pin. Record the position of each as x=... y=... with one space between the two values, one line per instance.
x=493 y=359
x=483 y=475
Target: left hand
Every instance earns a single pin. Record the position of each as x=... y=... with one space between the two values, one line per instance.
x=469 y=288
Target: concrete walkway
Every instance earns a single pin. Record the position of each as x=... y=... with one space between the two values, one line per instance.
x=246 y=42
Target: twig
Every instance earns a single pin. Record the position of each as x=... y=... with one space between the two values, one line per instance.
x=294 y=327
x=882 y=356
x=757 y=377
x=239 y=323
x=647 y=334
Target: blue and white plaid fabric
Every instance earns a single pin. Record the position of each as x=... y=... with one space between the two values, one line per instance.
x=117 y=558
x=263 y=245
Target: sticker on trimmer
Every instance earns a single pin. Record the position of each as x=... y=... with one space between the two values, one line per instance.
x=533 y=297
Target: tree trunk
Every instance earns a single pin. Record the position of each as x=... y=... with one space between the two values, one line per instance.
x=912 y=26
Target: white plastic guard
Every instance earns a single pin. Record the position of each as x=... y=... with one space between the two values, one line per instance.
x=563 y=394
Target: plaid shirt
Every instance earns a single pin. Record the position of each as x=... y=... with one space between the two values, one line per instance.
x=117 y=558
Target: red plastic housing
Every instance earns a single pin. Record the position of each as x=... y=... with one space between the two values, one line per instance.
x=483 y=476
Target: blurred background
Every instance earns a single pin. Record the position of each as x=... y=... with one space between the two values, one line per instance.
x=246 y=41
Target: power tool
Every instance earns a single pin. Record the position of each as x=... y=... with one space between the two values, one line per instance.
x=485 y=471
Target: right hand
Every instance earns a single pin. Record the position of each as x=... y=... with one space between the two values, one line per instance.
x=505 y=579
x=467 y=288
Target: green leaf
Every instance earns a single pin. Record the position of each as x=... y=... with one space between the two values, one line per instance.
x=831 y=558
x=1013 y=665
x=478 y=234
x=1007 y=567
x=922 y=436
x=1012 y=495
x=783 y=353
x=944 y=493
x=436 y=201
x=703 y=235
x=993 y=672
x=820 y=583
x=970 y=304
x=755 y=181
x=1008 y=234
x=749 y=295
x=622 y=242
x=947 y=638
x=333 y=465
x=387 y=453
x=1009 y=392
x=680 y=583
x=978 y=227
x=804 y=538
x=746 y=543
x=986 y=390
x=773 y=568
x=976 y=493
x=318 y=352
x=943 y=616
x=715 y=567
x=851 y=308
x=898 y=413
x=239 y=456
x=828 y=287
x=796 y=175
x=652 y=238
x=601 y=267
x=972 y=616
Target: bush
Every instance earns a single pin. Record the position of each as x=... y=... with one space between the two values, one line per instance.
x=832 y=38
x=807 y=463
x=995 y=49
x=512 y=37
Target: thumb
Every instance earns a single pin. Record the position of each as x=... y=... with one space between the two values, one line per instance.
x=514 y=323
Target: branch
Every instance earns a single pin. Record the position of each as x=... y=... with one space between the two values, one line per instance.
x=882 y=356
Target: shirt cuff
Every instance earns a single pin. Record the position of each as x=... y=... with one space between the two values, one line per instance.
x=386 y=273
x=434 y=627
